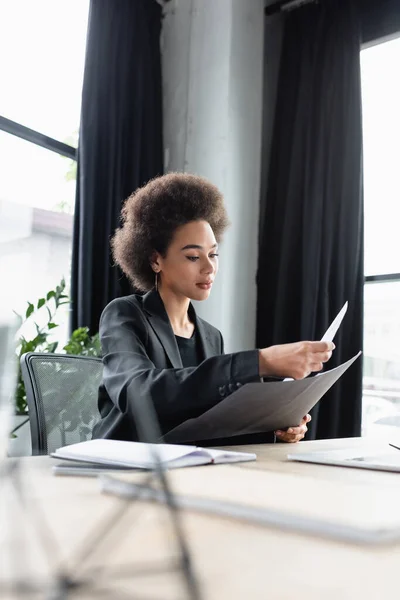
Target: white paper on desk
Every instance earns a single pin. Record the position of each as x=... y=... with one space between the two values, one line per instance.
x=385 y=458
x=259 y=407
x=332 y=329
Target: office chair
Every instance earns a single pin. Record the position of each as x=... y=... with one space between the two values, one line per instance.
x=61 y=392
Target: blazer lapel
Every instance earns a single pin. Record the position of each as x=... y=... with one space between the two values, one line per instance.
x=161 y=326
x=159 y=321
x=206 y=342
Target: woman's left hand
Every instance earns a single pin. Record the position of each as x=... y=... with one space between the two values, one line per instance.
x=294 y=434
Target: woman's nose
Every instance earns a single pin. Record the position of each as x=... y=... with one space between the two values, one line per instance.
x=208 y=266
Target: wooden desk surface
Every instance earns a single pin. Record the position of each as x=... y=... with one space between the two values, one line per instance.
x=233 y=560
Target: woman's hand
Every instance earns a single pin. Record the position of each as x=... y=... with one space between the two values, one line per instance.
x=294 y=360
x=294 y=434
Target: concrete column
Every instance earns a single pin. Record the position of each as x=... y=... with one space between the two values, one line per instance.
x=212 y=52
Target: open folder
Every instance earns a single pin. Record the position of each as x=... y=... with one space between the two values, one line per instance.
x=259 y=407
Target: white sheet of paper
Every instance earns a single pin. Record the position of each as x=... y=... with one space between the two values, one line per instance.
x=332 y=329
x=334 y=326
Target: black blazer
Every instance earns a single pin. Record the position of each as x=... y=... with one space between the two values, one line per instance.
x=141 y=360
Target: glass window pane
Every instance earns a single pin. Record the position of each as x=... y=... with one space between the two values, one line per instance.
x=37 y=193
x=381 y=395
x=42 y=45
x=381 y=132
x=34 y=176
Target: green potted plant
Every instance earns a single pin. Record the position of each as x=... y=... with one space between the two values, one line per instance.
x=41 y=340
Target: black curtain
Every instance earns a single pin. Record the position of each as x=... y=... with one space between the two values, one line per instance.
x=120 y=143
x=311 y=237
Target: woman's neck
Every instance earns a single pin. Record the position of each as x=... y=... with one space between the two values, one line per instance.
x=177 y=311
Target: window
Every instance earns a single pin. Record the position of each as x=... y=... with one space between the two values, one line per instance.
x=42 y=44
x=43 y=48
x=381 y=131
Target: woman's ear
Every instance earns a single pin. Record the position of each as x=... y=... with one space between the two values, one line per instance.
x=155 y=262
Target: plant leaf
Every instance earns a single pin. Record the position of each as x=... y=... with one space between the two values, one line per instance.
x=41 y=302
x=29 y=310
x=52 y=325
x=39 y=339
x=50 y=294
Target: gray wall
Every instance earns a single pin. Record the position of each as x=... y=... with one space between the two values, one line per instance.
x=212 y=55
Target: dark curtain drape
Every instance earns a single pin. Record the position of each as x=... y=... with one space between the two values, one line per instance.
x=120 y=143
x=311 y=237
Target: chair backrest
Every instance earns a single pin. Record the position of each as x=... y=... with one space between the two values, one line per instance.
x=61 y=392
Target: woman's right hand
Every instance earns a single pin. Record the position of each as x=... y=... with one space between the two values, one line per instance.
x=296 y=360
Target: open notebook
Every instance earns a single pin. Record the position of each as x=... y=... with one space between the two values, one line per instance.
x=137 y=455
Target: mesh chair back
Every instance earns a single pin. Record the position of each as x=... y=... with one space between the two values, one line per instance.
x=61 y=394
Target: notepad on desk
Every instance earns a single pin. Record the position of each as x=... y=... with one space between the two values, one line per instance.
x=138 y=455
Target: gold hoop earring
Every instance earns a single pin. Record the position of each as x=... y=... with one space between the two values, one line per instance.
x=156 y=282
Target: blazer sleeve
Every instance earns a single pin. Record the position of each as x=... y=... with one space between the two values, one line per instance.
x=177 y=394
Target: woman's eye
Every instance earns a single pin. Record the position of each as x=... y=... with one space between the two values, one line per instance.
x=193 y=258
x=214 y=255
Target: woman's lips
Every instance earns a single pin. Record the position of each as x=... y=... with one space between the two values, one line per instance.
x=204 y=286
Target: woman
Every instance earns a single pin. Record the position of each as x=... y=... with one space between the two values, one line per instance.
x=155 y=345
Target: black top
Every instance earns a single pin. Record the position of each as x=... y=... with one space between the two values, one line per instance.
x=142 y=360
x=189 y=350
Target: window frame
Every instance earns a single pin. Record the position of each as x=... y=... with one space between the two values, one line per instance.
x=384 y=277
x=35 y=137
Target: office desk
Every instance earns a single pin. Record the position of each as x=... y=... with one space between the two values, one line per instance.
x=233 y=560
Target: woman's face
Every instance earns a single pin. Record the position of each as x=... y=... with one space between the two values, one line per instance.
x=191 y=262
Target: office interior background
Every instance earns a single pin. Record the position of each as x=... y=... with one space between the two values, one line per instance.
x=212 y=88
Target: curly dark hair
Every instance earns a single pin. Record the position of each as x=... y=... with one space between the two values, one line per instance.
x=153 y=212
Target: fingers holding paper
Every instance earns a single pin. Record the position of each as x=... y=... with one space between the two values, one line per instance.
x=294 y=434
x=296 y=360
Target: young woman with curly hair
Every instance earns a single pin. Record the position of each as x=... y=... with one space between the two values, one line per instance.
x=154 y=345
